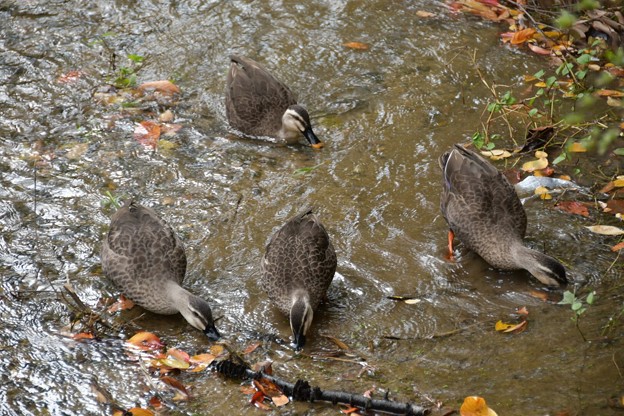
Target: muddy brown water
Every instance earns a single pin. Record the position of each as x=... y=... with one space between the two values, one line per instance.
x=385 y=114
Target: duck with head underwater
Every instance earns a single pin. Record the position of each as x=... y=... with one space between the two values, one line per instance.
x=483 y=210
x=143 y=256
x=297 y=269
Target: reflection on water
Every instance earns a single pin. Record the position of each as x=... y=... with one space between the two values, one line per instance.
x=385 y=115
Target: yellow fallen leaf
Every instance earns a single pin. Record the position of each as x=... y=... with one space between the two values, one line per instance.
x=504 y=327
x=540 y=154
x=618 y=183
x=217 y=350
x=542 y=192
x=534 y=165
x=421 y=13
x=145 y=341
x=475 y=406
x=605 y=229
x=496 y=154
x=540 y=84
x=577 y=147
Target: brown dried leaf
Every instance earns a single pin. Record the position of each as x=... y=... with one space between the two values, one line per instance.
x=147 y=133
x=538 y=49
x=177 y=386
x=164 y=87
x=573 y=207
x=338 y=343
x=83 y=335
x=522 y=36
x=605 y=229
x=280 y=400
x=610 y=93
x=357 y=45
x=615 y=206
x=251 y=348
x=138 y=411
x=618 y=246
x=248 y=390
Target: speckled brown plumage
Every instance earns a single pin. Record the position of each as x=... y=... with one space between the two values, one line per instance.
x=299 y=256
x=258 y=104
x=142 y=255
x=485 y=213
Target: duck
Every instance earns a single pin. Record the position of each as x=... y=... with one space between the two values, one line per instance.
x=484 y=212
x=144 y=257
x=258 y=104
x=297 y=269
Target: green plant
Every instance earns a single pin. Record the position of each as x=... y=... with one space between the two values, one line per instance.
x=110 y=200
x=578 y=305
x=126 y=75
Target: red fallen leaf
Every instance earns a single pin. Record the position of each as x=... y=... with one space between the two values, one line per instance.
x=165 y=87
x=268 y=388
x=350 y=410
x=538 y=49
x=357 y=45
x=251 y=348
x=573 y=207
x=121 y=305
x=181 y=392
x=618 y=247
x=155 y=402
x=258 y=400
x=147 y=133
x=69 y=77
x=146 y=341
x=547 y=171
x=522 y=311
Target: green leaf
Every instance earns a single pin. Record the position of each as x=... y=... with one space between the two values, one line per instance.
x=136 y=58
x=539 y=74
x=559 y=159
x=478 y=140
x=490 y=146
x=581 y=74
x=619 y=151
x=584 y=59
x=590 y=297
x=533 y=112
x=566 y=20
x=551 y=80
x=576 y=305
x=539 y=92
x=568 y=298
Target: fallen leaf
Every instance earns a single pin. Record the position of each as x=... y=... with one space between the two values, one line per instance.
x=155 y=402
x=121 y=305
x=251 y=348
x=166 y=116
x=147 y=133
x=610 y=93
x=176 y=359
x=280 y=400
x=357 y=45
x=475 y=406
x=538 y=50
x=350 y=410
x=619 y=181
x=614 y=102
x=137 y=411
x=573 y=207
x=577 y=147
x=412 y=301
x=605 y=229
x=258 y=400
x=522 y=36
x=265 y=367
x=496 y=154
x=618 y=246
x=615 y=206
x=164 y=87
x=217 y=350
x=248 y=389
x=268 y=388
x=546 y=172
x=533 y=165
x=522 y=311
x=369 y=393
x=515 y=328
x=69 y=77
x=200 y=362
x=338 y=343
x=421 y=13
x=145 y=341
x=181 y=392
x=83 y=335
x=542 y=191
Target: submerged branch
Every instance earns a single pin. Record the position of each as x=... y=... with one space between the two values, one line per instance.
x=303 y=392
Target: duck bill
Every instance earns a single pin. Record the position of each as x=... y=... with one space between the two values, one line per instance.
x=212 y=333
x=312 y=139
x=299 y=342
